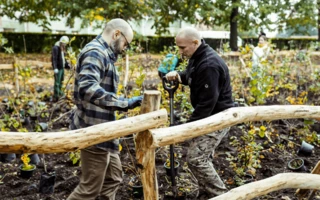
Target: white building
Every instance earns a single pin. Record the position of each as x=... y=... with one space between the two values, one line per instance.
x=143 y=27
x=11 y=25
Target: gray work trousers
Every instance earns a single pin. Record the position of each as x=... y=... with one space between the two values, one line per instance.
x=101 y=175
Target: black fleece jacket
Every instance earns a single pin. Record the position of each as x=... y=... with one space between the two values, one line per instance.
x=208 y=78
x=56 y=58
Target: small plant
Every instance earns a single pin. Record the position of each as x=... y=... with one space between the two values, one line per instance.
x=168 y=163
x=75 y=157
x=26 y=160
x=296 y=163
x=248 y=152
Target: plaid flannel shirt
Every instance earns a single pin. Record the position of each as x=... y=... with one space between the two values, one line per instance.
x=95 y=89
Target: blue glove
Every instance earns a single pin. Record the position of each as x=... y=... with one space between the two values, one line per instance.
x=134 y=102
x=168 y=64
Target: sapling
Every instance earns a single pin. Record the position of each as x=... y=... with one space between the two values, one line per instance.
x=26 y=160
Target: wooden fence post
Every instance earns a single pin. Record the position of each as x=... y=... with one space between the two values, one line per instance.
x=146 y=156
x=16 y=74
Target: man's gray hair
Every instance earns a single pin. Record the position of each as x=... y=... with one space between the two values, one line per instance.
x=119 y=24
x=189 y=33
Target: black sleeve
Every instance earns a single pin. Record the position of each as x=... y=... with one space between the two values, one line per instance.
x=183 y=77
x=55 y=53
x=208 y=90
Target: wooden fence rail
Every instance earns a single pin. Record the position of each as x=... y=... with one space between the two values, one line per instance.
x=274 y=183
x=55 y=142
x=166 y=136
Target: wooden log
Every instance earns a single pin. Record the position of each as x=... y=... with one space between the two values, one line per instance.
x=230 y=117
x=274 y=183
x=34 y=63
x=301 y=193
x=146 y=156
x=55 y=142
x=6 y=66
x=31 y=63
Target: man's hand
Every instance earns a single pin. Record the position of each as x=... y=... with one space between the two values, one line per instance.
x=172 y=76
x=55 y=71
x=134 y=102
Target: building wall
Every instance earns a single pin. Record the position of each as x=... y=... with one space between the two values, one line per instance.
x=143 y=27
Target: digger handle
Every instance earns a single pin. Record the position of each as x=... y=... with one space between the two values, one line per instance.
x=170 y=90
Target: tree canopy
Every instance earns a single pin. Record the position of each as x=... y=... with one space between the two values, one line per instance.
x=243 y=15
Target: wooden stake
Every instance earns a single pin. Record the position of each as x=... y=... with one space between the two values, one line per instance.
x=16 y=74
x=146 y=156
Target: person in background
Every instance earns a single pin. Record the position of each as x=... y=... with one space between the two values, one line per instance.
x=208 y=77
x=260 y=53
x=95 y=89
x=59 y=62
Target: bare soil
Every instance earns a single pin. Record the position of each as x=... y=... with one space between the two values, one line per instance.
x=67 y=175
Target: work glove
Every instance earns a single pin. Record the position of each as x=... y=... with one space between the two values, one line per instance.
x=55 y=71
x=134 y=102
x=172 y=76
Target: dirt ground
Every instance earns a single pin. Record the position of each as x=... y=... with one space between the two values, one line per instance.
x=12 y=186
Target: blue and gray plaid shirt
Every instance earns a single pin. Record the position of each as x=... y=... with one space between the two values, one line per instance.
x=95 y=89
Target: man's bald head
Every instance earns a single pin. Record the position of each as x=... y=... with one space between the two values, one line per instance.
x=118 y=34
x=189 y=33
x=188 y=40
x=121 y=25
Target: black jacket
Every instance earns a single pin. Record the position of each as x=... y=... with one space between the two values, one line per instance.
x=208 y=78
x=56 y=58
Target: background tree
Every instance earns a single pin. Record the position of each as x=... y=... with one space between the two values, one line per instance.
x=300 y=17
x=235 y=15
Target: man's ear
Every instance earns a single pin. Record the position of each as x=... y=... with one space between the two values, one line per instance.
x=116 y=34
x=196 y=42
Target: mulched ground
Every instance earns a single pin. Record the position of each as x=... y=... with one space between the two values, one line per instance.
x=12 y=186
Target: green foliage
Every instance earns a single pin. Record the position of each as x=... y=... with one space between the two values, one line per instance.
x=75 y=157
x=248 y=152
x=26 y=160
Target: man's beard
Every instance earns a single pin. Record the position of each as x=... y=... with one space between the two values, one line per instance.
x=116 y=47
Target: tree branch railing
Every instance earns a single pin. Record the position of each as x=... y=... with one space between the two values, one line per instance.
x=274 y=183
x=171 y=135
x=66 y=141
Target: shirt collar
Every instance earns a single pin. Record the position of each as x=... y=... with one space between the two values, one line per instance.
x=100 y=39
x=199 y=49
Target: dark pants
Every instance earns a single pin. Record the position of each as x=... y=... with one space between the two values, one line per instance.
x=58 y=81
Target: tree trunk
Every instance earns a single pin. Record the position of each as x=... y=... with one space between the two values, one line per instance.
x=275 y=183
x=318 y=6
x=55 y=142
x=234 y=27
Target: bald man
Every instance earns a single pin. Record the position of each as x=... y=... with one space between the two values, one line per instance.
x=95 y=89
x=210 y=92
